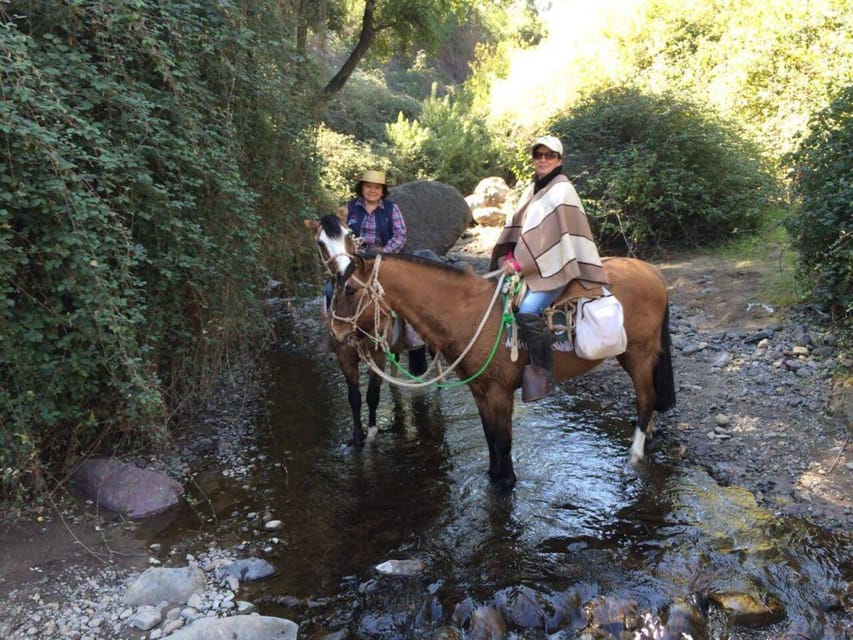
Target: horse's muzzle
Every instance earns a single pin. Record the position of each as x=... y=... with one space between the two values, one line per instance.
x=342 y=278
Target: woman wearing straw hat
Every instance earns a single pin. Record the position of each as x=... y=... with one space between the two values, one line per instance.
x=376 y=220
x=373 y=218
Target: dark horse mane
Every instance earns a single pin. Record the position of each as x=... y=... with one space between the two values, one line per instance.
x=334 y=228
x=332 y=225
x=426 y=262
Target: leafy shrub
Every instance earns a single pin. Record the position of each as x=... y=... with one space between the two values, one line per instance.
x=346 y=158
x=365 y=104
x=446 y=143
x=657 y=171
x=129 y=227
x=823 y=228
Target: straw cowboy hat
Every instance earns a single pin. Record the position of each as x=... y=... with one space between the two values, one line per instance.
x=376 y=177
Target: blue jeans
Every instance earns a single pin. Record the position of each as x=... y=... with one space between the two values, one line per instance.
x=327 y=291
x=535 y=301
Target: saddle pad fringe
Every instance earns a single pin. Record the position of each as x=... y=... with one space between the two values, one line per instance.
x=564 y=346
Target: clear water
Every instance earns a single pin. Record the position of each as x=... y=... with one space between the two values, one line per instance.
x=578 y=520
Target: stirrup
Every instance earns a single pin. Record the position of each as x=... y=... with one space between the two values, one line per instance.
x=535 y=383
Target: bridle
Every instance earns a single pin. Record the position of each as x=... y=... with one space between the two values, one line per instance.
x=383 y=315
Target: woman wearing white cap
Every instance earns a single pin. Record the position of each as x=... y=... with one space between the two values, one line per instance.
x=547 y=241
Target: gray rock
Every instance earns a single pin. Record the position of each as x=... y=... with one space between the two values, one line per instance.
x=126 y=489
x=249 y=627
x=146 y=618
x=436 y=215
x=246 y=570
x=401 y=567
x=158 y=584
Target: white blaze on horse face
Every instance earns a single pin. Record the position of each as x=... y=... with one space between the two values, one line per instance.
x=336 y=249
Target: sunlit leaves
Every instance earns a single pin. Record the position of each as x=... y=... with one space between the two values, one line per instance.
x=823 y=228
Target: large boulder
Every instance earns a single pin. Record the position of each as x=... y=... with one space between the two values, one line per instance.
x=436 y=215
x=125 y=488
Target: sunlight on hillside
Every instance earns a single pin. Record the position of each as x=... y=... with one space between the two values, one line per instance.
x=546 y=78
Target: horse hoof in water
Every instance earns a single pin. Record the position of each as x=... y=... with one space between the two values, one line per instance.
x=638 y=447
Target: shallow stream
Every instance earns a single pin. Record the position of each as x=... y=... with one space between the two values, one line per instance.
x=583 y=547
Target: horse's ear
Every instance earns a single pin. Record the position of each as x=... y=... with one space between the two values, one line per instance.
x=341 y=212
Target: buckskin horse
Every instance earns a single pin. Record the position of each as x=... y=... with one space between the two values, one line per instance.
x=447 y=307
x=347 y=353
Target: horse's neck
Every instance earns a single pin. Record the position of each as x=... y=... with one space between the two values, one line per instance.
x=444 y=310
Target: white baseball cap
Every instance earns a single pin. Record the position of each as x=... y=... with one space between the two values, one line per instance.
x=550 y=142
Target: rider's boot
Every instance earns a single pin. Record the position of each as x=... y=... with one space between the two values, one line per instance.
x=537 y=378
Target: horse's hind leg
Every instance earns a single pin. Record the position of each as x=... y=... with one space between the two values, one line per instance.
x=640 y=367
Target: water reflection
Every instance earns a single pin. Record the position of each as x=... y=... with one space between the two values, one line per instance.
x=579 y=522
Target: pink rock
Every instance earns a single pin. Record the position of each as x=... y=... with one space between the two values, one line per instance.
x=126 y=489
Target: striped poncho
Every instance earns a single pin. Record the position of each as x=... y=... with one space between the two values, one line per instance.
x=550 y=238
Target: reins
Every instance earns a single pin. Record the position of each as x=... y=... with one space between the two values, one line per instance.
x=375 y=294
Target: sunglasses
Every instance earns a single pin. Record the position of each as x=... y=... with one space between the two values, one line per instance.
x=549 y=155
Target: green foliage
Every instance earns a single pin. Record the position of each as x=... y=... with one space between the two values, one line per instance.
x=139 y=137
x=402 y=26
x=766 y=64
x=346 y=159
x=823 y=228
x=365 y=104
x=444 y=144
x=657 y=171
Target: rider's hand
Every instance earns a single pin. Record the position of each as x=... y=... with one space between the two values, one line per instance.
x=510 y=267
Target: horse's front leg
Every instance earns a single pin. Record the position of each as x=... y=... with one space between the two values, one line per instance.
x=494 y=404
x=374 y=385
x=348 y=361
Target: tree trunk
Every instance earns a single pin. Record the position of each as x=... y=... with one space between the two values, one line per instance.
x=365 y=38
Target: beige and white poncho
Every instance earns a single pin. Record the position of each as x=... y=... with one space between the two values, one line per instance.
x=550 y=238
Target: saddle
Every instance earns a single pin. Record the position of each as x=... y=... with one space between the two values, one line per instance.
x=560 y=315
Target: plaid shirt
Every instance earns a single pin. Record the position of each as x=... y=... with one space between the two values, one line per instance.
x=368 y=228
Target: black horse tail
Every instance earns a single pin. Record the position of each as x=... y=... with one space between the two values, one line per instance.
x=662 y=376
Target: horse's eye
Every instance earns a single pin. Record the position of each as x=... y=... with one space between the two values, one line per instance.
x=349 y=290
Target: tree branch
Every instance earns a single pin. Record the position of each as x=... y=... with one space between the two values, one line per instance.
x=365 y=38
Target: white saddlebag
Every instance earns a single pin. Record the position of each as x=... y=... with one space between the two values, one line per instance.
x=600 y=328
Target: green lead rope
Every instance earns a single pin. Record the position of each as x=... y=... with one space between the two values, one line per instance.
x=506 y=320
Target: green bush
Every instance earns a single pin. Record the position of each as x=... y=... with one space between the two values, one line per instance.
x=365 y=104
x=139 y=141
x=656 y=172
x=446 y=143
x=346 y=159
x=823 y=228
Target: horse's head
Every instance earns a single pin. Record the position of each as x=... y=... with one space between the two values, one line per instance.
x=336 y=242
x=359 y=308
